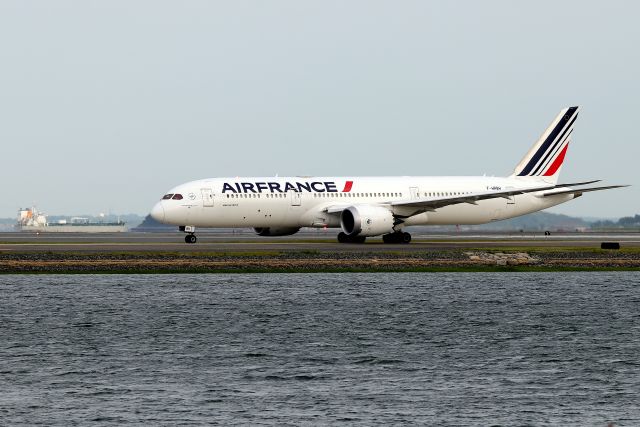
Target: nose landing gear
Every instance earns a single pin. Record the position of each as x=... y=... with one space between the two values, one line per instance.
x=190 y=237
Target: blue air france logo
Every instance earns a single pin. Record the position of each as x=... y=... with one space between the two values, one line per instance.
x=283 y=187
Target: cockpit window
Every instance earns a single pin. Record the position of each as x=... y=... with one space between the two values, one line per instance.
x=177 y=197
x=167 y=196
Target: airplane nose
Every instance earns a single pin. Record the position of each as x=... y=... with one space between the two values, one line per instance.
x=157 y=212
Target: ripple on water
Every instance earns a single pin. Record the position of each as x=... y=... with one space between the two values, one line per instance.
x=504 y=349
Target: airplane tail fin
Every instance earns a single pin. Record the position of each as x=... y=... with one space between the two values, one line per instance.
x=544 y=161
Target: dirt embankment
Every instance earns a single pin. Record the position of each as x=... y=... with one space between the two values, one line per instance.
x=312 y=261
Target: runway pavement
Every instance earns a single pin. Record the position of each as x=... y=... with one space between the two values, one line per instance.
x=320 y=241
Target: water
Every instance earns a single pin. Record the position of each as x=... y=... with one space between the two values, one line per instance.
x=446 y=349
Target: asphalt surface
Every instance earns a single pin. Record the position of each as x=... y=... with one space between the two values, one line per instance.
x=321 y=241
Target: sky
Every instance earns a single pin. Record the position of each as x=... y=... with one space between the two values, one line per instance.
x=105 y=105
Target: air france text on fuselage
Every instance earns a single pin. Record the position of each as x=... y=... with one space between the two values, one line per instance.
x=283 y=187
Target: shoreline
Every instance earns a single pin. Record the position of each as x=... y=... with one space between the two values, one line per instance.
x=313 y=261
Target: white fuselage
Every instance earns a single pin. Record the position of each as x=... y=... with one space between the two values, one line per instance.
x=308 y=201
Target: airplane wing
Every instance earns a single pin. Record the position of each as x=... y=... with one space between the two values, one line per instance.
x=430 y=204
x=433 y=203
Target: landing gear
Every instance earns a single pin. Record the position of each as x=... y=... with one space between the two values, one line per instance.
x=344 y=238
x=190 y=230
x=397 y=237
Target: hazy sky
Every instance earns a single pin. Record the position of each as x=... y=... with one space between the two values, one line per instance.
x=104 y=105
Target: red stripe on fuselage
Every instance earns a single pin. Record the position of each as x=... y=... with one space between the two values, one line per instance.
x=557 y=162
x=347 y=186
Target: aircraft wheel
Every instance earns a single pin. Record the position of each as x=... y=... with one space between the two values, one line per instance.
x=190 y=238
x=396 y=237
x=391 y=238
x=344 y=238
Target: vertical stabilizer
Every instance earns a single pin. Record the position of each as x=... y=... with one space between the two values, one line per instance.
x=544 y=161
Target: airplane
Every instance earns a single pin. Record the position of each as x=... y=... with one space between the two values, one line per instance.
x=377 y=206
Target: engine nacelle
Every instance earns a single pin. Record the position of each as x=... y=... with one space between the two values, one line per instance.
x=365 y=220
x=276 y=231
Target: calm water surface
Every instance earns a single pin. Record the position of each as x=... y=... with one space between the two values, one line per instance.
x=446 y=349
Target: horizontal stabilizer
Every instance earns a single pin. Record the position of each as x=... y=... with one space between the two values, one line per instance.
x=578 y=192
x=573 y=184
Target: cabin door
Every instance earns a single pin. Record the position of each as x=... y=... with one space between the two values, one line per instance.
x=207 y=197
x=415 y=192
x=296 y=198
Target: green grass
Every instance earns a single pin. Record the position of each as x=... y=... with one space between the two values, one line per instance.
x=149 y=254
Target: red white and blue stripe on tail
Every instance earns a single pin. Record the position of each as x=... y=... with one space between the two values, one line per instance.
x=547 y=155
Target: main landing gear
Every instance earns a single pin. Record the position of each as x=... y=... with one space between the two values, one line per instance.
x=190 y=230
x=344 y=238
x=397 y=237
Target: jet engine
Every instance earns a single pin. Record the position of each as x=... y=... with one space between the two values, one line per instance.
x=276 y=231
x=366 y=220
